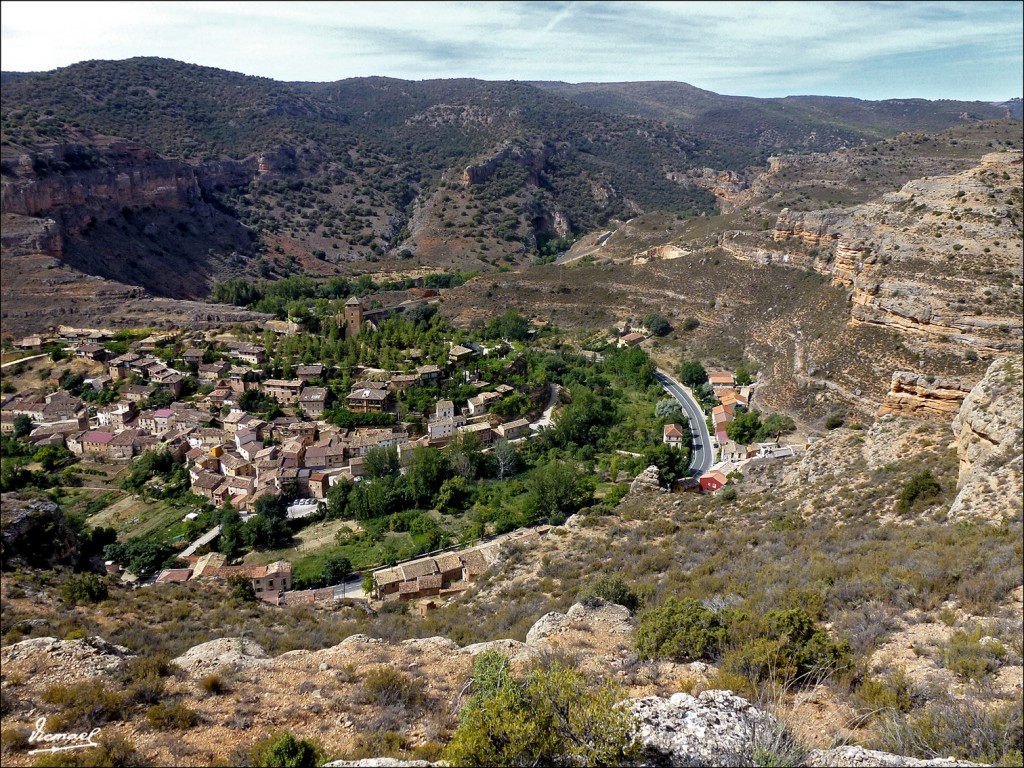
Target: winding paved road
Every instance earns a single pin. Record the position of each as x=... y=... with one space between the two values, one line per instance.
x=703 y=450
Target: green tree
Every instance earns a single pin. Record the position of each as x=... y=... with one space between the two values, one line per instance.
x=744 y=428
x=669 y=410
x=51 y=456
x=22 y=425
x=923 y=485
x=614 y=589
x=381 y=461
x=692 y=374
x=657 y=324
x=774 y=426
x=558 y=490
x=335 y=569
x=680 y=629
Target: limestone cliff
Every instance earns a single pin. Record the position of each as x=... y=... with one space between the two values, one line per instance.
x=939 y=259
x=988 y=433
x=920 y=396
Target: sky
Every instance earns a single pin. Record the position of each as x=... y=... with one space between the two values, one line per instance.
x=870 y=50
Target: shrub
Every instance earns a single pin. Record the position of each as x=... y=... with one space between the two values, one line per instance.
x=285 y=751
x=894 y=693
x=614 y=589
x=680 y=629
x=966 y=655
x=84 y=705
x=110 y=752
x=213 y=684
x=921 y=486
x=552 y=718
x=242 y=589
x=960 y=729
x=834 y=421
x=386 y=687
x=83 y=588
x=171 y=717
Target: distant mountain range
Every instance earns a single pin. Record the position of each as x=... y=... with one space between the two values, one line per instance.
x=216 y=174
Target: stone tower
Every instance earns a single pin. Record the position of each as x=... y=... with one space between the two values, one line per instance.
x=353 y=317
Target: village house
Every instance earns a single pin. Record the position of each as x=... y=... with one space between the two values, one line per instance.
x=95 y=443
x=631 y=339
x=367 y=400
x=91 y=352
x=157 y=421
x=193 y=356
x=283 y=390
x=267 y=580
x=136 y=392
x=478 y=404
x=120 y=367
x=309 y=372
x=460 y=354
x=428 y=374
x=254 y=354
x=482 y=430
x=130 y=443
x=313 y=401
x=721 y=380
x=713 y=480
x=206 y=483
x=211 y=372
x=329 y=455
x=674 y=436
x=402 y=381
x=513 y=430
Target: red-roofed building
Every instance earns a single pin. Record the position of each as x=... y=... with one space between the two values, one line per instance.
x=712 y=481
x=96 y=442
x=674 y=436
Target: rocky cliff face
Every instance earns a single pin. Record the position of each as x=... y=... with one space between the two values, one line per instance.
x=36 y=534
x=532 y=158
x=123 y=175
x=988 y=433
x=923 y=396
x=939 y=259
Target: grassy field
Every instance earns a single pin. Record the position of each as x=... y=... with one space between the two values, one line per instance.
x=133 y=517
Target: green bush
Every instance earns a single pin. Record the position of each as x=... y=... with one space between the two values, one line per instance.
x=966 y=655
x=551 y=718
x=84 y=705
x=386 y=686
x=110 y=752
x=614 y=589
x=894 y=693
x=83 y=588
x=171 y=717
x=957 y=728
x=285 y=751
x=921 y=486
x=680 y=629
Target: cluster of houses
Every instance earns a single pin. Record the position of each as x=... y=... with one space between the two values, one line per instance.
x=447 y=573
x=239 y=457
x=268 y=581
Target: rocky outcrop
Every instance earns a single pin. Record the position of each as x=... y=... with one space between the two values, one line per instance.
x=718 y=728
x=532 y=158
x=988 y=432
x=50 y=661
x=231 y=652
x=647 y=481
x=813 y=229
x=923 y=396
x=35 y=534
x=594 y=615
x=121 y=175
